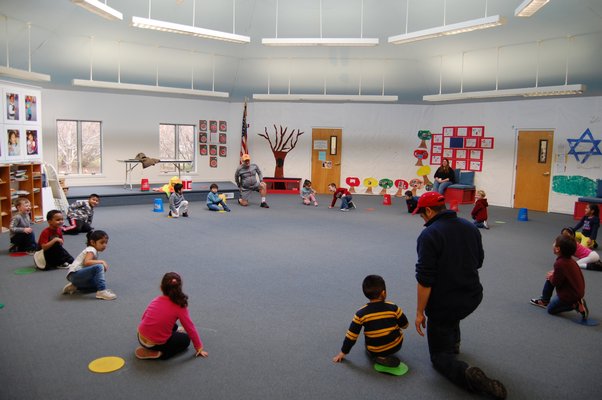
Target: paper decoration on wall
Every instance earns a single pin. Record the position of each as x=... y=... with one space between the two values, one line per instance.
x=424 y=171
x=12 y=107
x=353 y=182
x=369 y=183
x=31 y=108
x=203 y=125
x=213 y=162
x=385 y=184
x=282 y=145
x=31 y=135
x=462 y=145
x=574 y=185
x=401 y=185
x=223 y=138
x=203 y=137
x=223 y=126
x=584 y=146
x=212 y=126
x=424 y=135
x=213 y=150
x=203 y=149
x=223 y=151
x=416 y=183
x=420 y=155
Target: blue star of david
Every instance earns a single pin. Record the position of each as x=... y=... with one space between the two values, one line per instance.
x=585 y=138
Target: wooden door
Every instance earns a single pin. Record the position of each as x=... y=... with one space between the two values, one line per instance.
x=533 y=166
x=326 y=150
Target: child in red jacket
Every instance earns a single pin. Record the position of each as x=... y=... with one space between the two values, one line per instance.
x=479 y=212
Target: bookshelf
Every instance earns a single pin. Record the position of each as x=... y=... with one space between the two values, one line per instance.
x=20 y=180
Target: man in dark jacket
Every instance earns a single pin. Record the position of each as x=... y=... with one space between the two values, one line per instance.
x=450 y=252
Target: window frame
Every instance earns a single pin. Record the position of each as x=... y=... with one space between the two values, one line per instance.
x=176 y=131
x=79 y=145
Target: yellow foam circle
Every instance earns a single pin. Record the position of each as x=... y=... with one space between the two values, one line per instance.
x=105 y=365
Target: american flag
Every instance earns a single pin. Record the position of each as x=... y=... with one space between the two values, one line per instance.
x=243 y=140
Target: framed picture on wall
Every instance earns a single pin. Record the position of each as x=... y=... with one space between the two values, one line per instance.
x=437 y=149
x=203 y=149
x=462 y=131
x=435 y=160
x=475 y=165
x=448 y=131
x=203 y=125
x=12 y=107
x=448 y=153
x=471 y=143
x=31 y=107
x=203 y=137
x=223 y=138
x=213 y=162
x=212 y=126
x=460 y=153
x=212 y=150
x=437 y=139
x=14 y=142
x=223 y=126
x=487 y=143
x=476 y=154
x=460 y=164
x=32 y=142
x=223 y=151
x=477 y=131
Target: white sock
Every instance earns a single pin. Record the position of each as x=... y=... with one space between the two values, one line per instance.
x=263 y=199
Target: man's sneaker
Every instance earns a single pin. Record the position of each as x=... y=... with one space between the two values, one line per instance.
x=480 y=383
x=146 y=354
x=69 y=288
x=485 y=224
x=264 y=205
x=39 y=260
x=106 y=295
x=388 y=361
x=539 y=303
x=185 y=214
x=582 y=308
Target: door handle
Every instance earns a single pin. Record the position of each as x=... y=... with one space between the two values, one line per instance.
x=546 y=174
x=340 y=164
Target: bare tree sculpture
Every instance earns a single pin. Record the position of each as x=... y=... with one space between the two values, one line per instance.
x=283 y=143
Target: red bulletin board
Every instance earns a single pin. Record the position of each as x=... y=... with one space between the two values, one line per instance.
x=464 y=146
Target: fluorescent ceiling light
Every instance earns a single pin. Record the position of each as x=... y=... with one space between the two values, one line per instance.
x=147 y=23
x=451 y=29
x=529 y=7
x=147 y=88
x=320 y=42
x=562 y=90
x=22 y=74
x=100 y=9
x=324 y=97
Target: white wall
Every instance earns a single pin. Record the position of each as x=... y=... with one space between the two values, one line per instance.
x=378 y=140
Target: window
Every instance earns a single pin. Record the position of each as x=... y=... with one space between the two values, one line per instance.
x=79 y=147
x=176 y=143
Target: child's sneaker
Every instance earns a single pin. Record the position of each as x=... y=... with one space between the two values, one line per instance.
x=106 y=295
x=582 y=308
x=185 y=214
x=64 y=266
x=69 y=288
x=540 y=303
x=481 y=383
x=485 y=224
x=352 y=205
x=39 y=260
x=13 y=248
x=344 y=209
x=388 y=361
x=264 y=205
x=315 y=203
x=146 y=354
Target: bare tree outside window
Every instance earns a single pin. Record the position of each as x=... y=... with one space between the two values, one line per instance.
x=180 y=137
x=79 y=147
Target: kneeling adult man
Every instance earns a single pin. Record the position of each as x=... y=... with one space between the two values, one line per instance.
x=248 y=178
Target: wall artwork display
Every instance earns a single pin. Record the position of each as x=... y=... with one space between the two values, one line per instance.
x=203 y=149
x=462 y=145
x=584 y=146
x=12 y=109
x=31 y=145
x=14 y=142
x=203 y=125
x=223 y=151
x=212 y=126
x=31 y=109
x=212 y=150
x=223 y=126
x=223 y=138
x=283 y=142
x=203 y=137
x=213 y=162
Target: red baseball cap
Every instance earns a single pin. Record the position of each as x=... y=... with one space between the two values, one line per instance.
x=429 y=199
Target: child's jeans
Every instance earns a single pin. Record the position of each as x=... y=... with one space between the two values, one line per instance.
x=24 y=241
x=89 y=278
x=556 y=305
x=345 y=201
x=307 y=200
x=215 y=206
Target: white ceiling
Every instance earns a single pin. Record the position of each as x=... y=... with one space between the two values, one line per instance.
x=562 y=33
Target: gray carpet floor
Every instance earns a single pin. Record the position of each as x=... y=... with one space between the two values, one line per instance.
x=272 y=293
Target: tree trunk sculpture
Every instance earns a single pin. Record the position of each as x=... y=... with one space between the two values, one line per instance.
x=283 y=143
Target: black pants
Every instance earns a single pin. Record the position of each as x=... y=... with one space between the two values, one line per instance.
x=177 y=343
x=24 y=241
x=76 y=227
x=444 y=339
x=56 y=256
x=385 y=353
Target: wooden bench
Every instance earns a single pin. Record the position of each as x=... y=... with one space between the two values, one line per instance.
x=283 y=185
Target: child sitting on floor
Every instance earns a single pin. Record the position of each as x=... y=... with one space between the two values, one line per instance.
x=382 y=322
x=308 y=194
x=583 y=255
x=214 y=200
x=411 y=200
x=80 y=215
x=567 y=279
x=52 y=254
x=87 y=272
x=590 y=224
x=344 y=195
x=22 y=238
x=158 y=333
x=479 y=212
x=177 y=204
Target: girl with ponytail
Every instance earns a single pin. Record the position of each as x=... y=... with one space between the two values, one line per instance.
x=158 y=332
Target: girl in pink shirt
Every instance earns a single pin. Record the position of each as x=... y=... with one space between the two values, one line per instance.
x=583 y=254
x=158 y=332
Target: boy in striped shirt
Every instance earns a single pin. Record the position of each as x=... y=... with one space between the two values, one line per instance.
x=382 y=321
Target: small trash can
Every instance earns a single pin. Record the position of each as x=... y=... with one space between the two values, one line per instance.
x=523 y=214
x=144 y=186
x=386 y=199
x=158 y=205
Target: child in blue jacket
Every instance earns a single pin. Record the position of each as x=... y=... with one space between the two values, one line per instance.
x=214 y=201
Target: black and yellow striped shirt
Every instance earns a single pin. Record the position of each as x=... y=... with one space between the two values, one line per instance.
x=382 y=322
